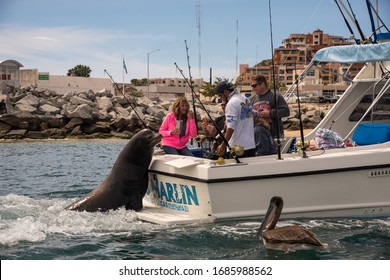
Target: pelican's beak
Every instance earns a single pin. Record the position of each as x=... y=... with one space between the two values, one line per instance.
x=268 y=218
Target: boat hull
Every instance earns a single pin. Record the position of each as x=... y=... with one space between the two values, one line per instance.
x=341 y=182
x=354 y=182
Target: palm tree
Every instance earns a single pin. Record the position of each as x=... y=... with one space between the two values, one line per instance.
x=139 y=82
x=80 y=71
x=208 y=90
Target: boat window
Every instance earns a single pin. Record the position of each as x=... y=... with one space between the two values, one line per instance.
x=380 y=112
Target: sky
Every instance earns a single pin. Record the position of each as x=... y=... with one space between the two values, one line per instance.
x=54 y=36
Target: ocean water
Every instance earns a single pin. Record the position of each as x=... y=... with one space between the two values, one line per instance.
x=39 y=179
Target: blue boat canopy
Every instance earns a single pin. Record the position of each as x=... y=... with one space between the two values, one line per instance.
x=354 y=53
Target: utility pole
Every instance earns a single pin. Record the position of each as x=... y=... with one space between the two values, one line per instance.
x=148 y=67
x=198 y=13
x=237 y=71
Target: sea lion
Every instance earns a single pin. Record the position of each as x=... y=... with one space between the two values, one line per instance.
x=127 y=182
x=288 y=237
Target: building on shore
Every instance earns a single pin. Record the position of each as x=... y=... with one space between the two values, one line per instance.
x=165 y=88
x=10 y=73
x=63 y=84
x=291 y=58
x=170 y=88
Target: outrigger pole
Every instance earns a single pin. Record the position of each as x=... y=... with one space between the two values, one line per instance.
x=273 y=77
x=212 y=121
x=128 y=101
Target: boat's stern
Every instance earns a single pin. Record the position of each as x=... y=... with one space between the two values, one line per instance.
x=172 y=197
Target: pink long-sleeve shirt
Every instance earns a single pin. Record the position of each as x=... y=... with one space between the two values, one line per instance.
x=175 y=140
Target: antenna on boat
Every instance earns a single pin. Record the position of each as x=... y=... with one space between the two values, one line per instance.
x=128 y=101
x=274 y=82
x=211 y=119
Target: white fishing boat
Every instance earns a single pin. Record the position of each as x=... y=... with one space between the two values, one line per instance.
x=350 y=181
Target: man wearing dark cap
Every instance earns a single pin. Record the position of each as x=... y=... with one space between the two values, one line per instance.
x=239 y=120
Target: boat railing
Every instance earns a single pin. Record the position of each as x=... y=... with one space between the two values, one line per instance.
x=382 y=91
x=290 y=92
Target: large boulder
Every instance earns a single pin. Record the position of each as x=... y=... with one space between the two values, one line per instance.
x=4 y=127
x=47 y=109
x=75 y=100
x=22 y=107
x=104 y=104
x=121 y=112
x=29 y=99
x=98 y=127
x=74 y=122
x=83 y=112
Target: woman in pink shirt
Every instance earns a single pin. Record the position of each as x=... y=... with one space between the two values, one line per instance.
x=177 y=128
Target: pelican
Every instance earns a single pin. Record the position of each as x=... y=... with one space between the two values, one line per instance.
x=287 y=238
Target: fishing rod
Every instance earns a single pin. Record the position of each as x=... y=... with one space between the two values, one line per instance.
x=357 y=41
x=211 y=119
x=273 y=77
x=303 y=146
x=371 y=8
x=373 y=29
x=353 y=20
x=128 y=101
x=191 y=86
x=356 y=22
x=377 y=15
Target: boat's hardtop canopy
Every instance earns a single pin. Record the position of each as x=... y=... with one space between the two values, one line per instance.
x=354 y=53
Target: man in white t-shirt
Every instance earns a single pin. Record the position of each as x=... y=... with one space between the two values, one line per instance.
x=239 y=120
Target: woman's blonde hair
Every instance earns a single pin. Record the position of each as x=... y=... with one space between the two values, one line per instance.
x=176 y=106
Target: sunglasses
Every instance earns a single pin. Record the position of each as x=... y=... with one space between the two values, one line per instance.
x=254 y=85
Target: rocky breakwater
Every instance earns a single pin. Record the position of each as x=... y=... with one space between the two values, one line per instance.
x=311 y=115
x=31 y=113
x=39 y=114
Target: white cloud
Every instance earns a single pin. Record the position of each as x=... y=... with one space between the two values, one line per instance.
x=44 y=38
x=57 y=49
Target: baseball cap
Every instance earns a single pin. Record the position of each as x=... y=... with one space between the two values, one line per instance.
x=224 y=85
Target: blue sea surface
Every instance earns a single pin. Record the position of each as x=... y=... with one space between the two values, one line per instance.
x=39 y=179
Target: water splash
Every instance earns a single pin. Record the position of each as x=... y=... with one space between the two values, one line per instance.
x=24 y=219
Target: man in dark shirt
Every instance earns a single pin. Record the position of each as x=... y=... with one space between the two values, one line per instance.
x=264 y=107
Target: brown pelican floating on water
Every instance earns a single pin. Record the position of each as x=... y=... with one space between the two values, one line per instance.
x=287 y=238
